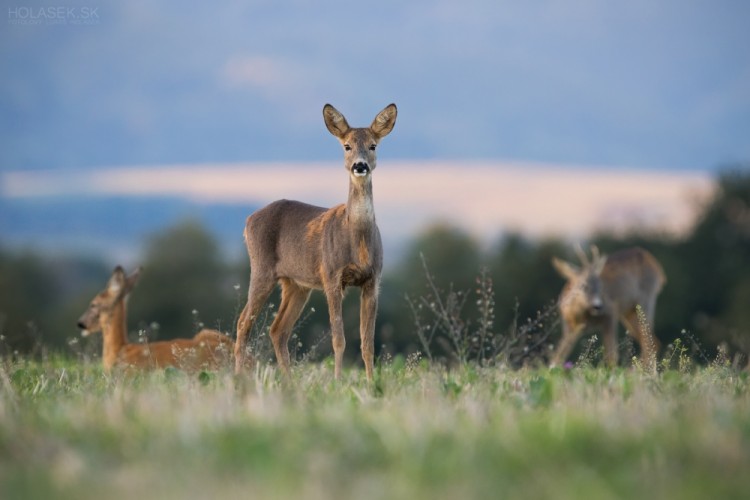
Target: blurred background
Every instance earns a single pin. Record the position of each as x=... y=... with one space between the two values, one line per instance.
x=144 y=134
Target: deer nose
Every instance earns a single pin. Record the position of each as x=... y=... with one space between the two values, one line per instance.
x=81 y=325
x=360 y=168
x=596 y=306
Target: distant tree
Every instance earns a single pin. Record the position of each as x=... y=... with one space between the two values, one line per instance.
x=454 y=260
x=184 y=283
x=451 y=255
x=27 y=290
x=40 y=299
x=717 y=255
x=524 y=277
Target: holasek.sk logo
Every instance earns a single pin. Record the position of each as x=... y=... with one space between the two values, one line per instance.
x=46 y=16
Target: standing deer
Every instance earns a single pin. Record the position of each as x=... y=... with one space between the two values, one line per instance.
x=303 y=247
x=107 y=313
x=605 y=289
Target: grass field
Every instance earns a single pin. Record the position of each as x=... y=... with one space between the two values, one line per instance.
x=69 y=431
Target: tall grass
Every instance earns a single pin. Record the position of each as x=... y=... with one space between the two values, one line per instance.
x=67 y=430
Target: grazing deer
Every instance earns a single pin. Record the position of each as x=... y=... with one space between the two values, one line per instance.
x=303 y=247
x=107 y=313
x=605 y=289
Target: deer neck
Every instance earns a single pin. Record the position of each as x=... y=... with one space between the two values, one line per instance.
x=114 y=332
x=360 y=209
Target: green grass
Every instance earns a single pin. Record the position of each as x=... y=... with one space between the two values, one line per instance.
x=69 y=431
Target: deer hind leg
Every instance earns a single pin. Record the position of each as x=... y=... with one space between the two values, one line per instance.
x=260 y=289
x=642 y=330
x=609 y=338
x=368 y=311
x=334 y=297
x=293 y=300
x=570 y=336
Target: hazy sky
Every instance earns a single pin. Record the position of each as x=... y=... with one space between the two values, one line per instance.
x=643 y=83
x=484 y=198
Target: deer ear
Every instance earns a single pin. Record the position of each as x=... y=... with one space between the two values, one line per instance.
x=132 y=280
x=335 y=121
x=565 y=269
x=384 y=122
x=599 y=263
x=116 y=281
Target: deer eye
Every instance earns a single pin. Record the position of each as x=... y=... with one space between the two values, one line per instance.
x=372 y=147
x=347 y=147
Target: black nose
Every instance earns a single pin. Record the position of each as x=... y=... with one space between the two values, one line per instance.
x=360 y=168
x=596 y=309
x=81 y=325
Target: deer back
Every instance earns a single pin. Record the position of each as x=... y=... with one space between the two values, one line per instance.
x=280 y=243
x=209 y=349
x=632 y=276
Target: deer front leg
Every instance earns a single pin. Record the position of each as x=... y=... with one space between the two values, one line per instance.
x=569 y=337
x=334 y=296
x=367 y=312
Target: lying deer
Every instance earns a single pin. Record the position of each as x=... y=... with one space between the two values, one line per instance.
x=303 y=247
x=607 y=289
x=107 y=313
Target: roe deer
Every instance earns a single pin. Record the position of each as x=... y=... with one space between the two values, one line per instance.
x=107 y=313
x=605 y=289
x=303 y=247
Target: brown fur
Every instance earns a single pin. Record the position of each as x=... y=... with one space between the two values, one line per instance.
x=304 y=247
x=315 y=226
x=618 y=284
x=364 y=253
x=107 y=313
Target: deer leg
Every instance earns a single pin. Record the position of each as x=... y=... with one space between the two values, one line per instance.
x=334 y=296
x=293 y=300
x=650 y=337
x=569 y=338
x=609 y=337
x=367 y=311
x=257 y=295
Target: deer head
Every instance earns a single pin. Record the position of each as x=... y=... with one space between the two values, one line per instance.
x=101 y=307
x=360 y=144
x=583 y=293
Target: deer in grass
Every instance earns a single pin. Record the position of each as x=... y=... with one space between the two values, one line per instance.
x=622 y=286
x=107 y=313
x=304 y=247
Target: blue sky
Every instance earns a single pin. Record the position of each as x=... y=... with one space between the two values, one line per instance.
x=637 y=84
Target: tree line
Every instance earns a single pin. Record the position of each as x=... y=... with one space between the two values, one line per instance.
x=446 y=297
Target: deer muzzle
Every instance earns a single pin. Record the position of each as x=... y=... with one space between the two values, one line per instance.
x=597 y=307
x=84 y=328
x=360 y=169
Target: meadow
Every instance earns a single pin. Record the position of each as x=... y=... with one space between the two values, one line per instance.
x=68 y=430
